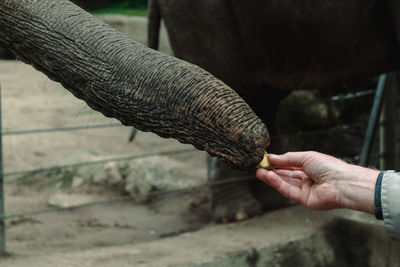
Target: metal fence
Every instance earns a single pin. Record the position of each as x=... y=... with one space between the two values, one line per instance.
x=3 y=174
x=4 y=217
x=362 y=158
x=2 y=213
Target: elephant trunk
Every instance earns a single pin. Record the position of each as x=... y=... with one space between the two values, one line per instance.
x=128 y=81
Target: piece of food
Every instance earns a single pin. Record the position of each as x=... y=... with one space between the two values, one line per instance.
x=265 y=164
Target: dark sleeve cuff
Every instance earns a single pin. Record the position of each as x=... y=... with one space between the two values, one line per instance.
x=378 y=202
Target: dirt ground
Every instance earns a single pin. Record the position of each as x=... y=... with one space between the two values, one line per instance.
x=31 y=101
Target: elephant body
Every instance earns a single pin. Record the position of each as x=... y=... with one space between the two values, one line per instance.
x=263 y=49
x=286 y=45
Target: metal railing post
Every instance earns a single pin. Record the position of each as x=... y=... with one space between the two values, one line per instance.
x=373 y=121
x=388 y=147
x=2 y=213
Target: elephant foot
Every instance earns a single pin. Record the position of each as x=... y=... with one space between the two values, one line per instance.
x=267 y=196
x=231 y=201
x=234 y=204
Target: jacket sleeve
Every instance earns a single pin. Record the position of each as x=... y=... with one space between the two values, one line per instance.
x=390 y=201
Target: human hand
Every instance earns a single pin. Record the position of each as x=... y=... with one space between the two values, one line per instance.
x=321 y=182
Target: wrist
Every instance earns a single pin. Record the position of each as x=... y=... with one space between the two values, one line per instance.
x=356 y=188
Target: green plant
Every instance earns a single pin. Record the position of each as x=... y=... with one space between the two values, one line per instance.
x=141 y=4
x=125 y=7
x=61 y=178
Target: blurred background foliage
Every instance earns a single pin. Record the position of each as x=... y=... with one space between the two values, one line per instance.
x=124 y=7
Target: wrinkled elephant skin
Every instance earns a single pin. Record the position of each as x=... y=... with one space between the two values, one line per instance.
x=126 y=80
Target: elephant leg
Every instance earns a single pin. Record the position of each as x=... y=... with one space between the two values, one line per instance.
x=230 y=201
x=267 y=197
x=266 y=106
x=233 y=201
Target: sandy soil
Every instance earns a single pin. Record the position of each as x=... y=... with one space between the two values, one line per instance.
x=31 y=101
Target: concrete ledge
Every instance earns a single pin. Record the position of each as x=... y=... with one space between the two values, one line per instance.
x=293 y=236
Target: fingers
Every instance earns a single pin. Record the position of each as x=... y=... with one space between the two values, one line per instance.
x=293 y=177
x=288 y=188
x=295 y=174
x=290 y=160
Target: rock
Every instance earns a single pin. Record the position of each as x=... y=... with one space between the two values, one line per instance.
x=89 y=171
x=99 y=178
x=157 y=173
x=65 y=201
x=113 y=175
x=304 y=111
x=139 y=187
x=109 y=175
x=310 y=120
x=77 y=181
